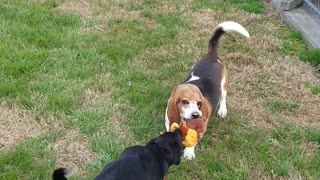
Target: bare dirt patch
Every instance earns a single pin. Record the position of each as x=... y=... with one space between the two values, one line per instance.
x=72 y=151
x=16 y=125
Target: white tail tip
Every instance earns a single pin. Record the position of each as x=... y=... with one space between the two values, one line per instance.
x=229 y=26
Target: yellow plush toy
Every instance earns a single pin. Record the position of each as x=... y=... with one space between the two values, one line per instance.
x=190 y=136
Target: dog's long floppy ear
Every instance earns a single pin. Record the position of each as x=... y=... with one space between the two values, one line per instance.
x=173 y=110
x=205 y=108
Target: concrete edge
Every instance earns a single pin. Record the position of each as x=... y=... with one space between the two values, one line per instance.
x=288 y=18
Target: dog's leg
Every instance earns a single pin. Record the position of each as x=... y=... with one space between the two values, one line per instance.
x=222 y=112
x=167 y=122
x=189 y=153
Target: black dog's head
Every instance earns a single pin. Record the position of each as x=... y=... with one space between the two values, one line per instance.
x=170 y=143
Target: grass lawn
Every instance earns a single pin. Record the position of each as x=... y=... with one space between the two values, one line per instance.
x=81 y=80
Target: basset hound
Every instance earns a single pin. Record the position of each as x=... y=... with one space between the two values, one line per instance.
x=205 y=87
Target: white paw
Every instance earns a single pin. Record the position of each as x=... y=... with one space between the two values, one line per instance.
x=222 y=112
x=189 y=153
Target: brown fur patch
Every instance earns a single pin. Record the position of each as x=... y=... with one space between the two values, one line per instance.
x=72 y=151
x=16 y=125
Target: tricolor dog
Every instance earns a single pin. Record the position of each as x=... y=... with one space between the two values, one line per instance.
x=205 y=88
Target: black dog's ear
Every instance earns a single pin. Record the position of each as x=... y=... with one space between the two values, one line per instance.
x=177 y=147
x=177 y=153
x=151 y=141
x=178 y=135
x=172 y=153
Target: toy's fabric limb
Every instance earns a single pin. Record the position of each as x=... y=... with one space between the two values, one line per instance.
x=174 y=126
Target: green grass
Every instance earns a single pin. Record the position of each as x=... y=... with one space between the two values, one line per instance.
x=314 y=89
x=251 y=6
x=293 y=43
x=30 y=160
x=312 y=56
x=279 y=105
x=47 y=64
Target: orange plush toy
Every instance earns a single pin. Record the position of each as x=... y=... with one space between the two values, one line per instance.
x=197 y=125
x=190 y=136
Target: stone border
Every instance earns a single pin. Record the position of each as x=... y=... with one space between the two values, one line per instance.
x=300 y=19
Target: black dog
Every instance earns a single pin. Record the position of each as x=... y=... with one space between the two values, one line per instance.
x=150 y=162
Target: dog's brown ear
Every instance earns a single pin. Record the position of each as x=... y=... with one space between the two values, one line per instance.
x=205 y=108
x=173 y=109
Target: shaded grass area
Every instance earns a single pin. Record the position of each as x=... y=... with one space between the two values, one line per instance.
x=46 y=66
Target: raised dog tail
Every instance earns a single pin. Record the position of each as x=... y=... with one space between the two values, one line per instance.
x=60 y=174
x=228 y=26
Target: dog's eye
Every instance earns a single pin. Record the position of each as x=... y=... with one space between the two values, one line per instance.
x=185 y=102
x=199 y=104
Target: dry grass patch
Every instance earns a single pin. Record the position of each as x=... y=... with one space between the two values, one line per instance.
x=16 y=125
x=73 y=151
x=78 y=7
x=166 y=7
x=253 y=86
x=98 y=92
x=118 y=13
x=106 y=16
x=94 y=98
x=266 y=42
x=119 y=127
x=206 y=20
x=97 y=96
x=204 y=23
x=258 y=172
x=90 y=10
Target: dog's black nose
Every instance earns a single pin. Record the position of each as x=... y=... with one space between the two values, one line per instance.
x=195 y=115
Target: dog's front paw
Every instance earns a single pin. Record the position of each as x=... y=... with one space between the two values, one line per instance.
x=222 y=112
x=189 y=153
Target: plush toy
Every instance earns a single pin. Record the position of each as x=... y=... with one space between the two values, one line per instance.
x=190 y=136
x=196 y=124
